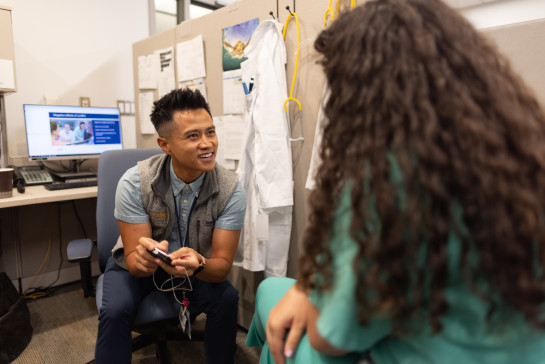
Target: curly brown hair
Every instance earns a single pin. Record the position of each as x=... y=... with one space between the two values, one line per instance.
x=414 y=80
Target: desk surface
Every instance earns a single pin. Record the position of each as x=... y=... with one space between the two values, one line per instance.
x=38 y=194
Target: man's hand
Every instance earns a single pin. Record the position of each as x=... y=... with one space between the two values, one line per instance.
x=181 y=259
x=187 y=258
x=145 y=261
x=142 y=260
x=290 y=313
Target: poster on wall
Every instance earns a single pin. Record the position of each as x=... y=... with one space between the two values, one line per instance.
x=165 y=71
x=233 y=92
x=235 y=39
x=147 y=77
x=190 y=59
x=145 y=106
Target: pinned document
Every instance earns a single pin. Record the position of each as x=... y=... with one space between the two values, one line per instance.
x=145 y=105
x=7 y=77
x=147 y=75
x=165 y=76
x=233 y=92
x=219 y=123
x=234 y=133
x=190 y=59
x=197 y=84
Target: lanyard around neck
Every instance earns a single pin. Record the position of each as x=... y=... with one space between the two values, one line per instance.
x=183 y=242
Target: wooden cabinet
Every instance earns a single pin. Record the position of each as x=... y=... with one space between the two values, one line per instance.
x=7 y=53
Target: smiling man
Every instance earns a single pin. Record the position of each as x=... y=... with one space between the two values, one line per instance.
x=185 y=205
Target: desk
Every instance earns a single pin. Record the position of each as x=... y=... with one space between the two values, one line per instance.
x=35 y=195
x=38 y=194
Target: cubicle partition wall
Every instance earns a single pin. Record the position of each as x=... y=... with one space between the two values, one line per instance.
x=521 y=42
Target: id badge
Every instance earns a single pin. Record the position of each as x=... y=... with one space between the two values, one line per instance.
x=183 y=316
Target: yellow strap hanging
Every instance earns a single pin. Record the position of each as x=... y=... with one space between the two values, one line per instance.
x=329 y=12
x=296 y=60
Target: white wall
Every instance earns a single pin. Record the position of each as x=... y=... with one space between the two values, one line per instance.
x=504 y=12
x=68 y=49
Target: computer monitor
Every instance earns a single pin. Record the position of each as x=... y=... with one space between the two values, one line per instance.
x=56 y=132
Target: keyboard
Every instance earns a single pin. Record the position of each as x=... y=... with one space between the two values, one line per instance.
x=66 y=185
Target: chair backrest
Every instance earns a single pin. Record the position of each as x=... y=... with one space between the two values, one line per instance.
x=111 y=166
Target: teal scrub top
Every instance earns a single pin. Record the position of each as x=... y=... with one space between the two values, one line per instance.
x=467 y=337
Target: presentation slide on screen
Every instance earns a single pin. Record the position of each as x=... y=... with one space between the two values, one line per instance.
x=56 y=131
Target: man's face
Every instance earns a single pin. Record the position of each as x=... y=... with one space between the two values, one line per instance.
x=192 y=144
x=67 y=128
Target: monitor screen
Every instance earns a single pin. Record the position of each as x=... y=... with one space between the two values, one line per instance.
x=71 y=132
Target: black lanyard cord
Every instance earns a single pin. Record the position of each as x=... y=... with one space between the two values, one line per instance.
x=183 y=242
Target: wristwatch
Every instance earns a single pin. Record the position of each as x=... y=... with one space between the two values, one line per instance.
x=201 y=266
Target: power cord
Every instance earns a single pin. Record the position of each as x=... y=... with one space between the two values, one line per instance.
x=39 y=291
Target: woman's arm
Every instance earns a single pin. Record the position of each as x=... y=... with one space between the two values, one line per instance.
x=294 y=312
x=318 y=342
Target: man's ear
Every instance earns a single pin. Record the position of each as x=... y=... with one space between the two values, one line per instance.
x=163 y=144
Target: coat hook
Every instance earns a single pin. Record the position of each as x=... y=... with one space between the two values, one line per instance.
x=272 y=14
x=288 y=9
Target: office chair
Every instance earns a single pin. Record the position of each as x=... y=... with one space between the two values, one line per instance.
x=157 y=318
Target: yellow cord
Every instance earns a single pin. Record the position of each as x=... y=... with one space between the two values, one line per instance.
x=40 y=294
x=296 y=60
x=329 y=12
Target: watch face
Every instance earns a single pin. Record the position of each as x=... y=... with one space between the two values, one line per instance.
x=199 y=268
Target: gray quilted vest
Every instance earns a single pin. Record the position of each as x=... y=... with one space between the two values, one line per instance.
x=158 y=201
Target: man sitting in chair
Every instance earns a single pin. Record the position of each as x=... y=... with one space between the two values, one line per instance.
x=184 y=204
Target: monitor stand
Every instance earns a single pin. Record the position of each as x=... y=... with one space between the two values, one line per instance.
x=75 y=174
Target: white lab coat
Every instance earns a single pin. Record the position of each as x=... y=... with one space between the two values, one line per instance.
x=315 y=159
x=265 y=168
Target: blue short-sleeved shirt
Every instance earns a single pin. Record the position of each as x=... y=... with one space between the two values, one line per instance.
x=129 y=207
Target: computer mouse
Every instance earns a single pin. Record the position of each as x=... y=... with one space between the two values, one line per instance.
x=21 y=186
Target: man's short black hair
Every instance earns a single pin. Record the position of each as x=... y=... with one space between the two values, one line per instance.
x=176 y=100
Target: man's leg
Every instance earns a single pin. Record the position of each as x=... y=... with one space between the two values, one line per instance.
x=122 y=294
x=219 y=301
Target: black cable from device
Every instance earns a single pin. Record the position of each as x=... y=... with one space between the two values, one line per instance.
x=79 y=219
x=60 y=245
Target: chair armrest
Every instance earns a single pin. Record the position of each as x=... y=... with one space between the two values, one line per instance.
x=79 y=250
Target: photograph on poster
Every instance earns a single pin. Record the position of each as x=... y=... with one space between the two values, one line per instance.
x=235 y=39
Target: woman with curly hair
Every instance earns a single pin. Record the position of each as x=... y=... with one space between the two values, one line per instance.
x=426 y=236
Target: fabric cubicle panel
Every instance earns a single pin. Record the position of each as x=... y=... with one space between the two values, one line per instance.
x=523 y=43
